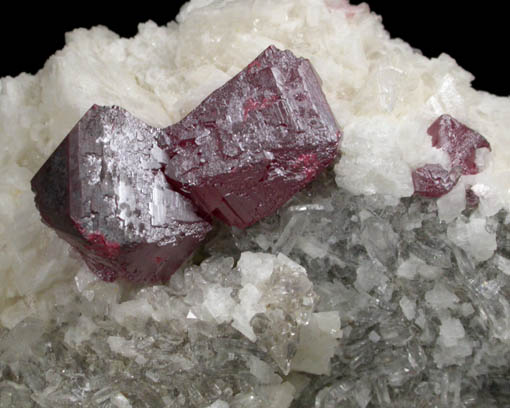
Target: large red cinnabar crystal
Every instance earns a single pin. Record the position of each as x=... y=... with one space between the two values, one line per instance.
x=103 y=191
x=254 y=142
x=135 y=200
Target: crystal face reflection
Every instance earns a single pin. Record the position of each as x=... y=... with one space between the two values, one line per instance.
x=135 y=200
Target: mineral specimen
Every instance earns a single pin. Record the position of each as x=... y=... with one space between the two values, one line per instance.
x=409 y=308
x=104 y=193
x=254 y=142
x=460 y=143
x=239 y=156
x=433 y=180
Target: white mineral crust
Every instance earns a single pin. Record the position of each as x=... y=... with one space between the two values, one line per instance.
x=405 y=291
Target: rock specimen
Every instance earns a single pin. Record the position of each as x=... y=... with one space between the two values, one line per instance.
x=239 y=156
x=461 y=143
x=254 y=142
x=424 y=315
x=102 y=191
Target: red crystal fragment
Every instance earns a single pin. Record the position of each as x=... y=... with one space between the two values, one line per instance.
x=103 y=191
x=254 y=142
x=433 y=180
x=459 y=141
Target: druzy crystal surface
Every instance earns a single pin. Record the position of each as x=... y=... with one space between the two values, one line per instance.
x=254 y=142
x=103 y=191
x=461 y=144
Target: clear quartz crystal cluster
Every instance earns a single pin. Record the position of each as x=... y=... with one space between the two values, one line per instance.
x=405 y=299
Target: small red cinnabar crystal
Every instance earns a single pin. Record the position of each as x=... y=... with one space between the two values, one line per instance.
x=130 y=207
x=461 y=143
x=254 y=142
x=103 y=191
x=433 y=180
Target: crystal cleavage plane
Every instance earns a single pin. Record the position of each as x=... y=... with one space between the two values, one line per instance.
x=136 y=200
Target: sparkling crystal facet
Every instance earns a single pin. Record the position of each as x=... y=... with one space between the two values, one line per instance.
x=433 y=180
x=461 y=143
x=103 y=191
x=254 y=142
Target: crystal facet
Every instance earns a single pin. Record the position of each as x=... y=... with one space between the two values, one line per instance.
x=254 y=142
x=123 y=192
x=433 y=180
x=103 y=191
x=460 y=143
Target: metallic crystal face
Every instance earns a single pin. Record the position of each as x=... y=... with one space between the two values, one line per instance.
x=254 y=142
x=433 y=180
x=103 y=191
x=461 y=143
x=124 y=193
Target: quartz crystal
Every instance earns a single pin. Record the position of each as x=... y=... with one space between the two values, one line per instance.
x=461 y=144
x=254 y=142
x=103 y=191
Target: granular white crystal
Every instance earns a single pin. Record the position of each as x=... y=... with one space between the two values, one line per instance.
x=279 y=396
x=126 y=348
x=219 y=404
x=120 y=401
x=80 y=332
x=317 y=343
x=374 y=336
x=473 y=237
x=408 y=307
x=263 y=371
x=441 y=298
x=219 y=303
x=415 y=267
x=451 y=331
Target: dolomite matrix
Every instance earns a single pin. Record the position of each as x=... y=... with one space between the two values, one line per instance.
x=357 y=292
x=239 y=156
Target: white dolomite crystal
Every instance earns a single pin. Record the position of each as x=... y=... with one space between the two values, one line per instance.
x=355 y=293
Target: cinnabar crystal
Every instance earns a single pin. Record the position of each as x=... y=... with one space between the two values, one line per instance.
x=254 y=142
x=135 y=200
x=461 y=143
x=103 y=191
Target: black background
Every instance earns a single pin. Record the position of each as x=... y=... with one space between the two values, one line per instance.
x=474 y=34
